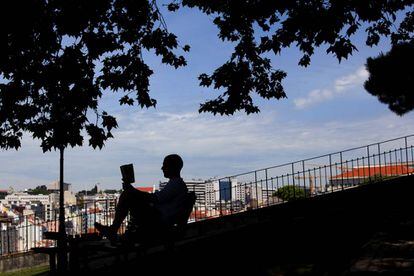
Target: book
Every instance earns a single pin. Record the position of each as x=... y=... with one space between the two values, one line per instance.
x=127 y=172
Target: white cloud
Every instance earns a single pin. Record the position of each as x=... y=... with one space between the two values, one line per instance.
x=210 y=146
x=351 y=80
x=314 y=97
x=340 y=85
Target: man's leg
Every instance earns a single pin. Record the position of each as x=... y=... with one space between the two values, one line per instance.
x=121 y=210
x=130 y=199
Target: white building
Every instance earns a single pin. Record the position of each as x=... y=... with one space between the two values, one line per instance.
x=23 y=199
x=212 y=193
x=239 y=191
x=199 y=187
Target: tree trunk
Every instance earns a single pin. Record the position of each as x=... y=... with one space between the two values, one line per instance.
x=61 y=243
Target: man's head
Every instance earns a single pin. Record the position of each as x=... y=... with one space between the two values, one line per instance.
x=172 y=166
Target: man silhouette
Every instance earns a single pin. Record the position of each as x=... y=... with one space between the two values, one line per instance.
x=155 y=210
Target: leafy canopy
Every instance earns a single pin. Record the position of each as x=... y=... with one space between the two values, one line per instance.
x=58 y=56
x=262 y=26
x=49 y=57
x=392 y=78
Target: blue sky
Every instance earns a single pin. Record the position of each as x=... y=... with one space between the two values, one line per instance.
x=326 y=110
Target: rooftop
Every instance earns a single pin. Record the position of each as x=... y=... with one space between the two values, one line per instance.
x=384 y=170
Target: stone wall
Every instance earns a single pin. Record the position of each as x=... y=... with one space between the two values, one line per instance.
x=21 y=261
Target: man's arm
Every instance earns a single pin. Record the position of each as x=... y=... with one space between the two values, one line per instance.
x=151 y=198
x=170 y=191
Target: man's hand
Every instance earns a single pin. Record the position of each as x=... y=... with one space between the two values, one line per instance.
x=126 y=185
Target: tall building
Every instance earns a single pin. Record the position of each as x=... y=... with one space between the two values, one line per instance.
x=212 y=193
x=225 y=190
x=239 y=191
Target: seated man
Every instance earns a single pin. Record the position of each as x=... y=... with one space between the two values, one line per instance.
x=151 y=210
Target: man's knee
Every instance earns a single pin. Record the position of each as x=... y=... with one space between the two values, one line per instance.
x=125 y=200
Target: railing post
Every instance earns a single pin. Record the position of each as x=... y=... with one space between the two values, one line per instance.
x=94 y=211
x=86 y=217
x=293 y=180
x=271 y=195
x=231 y=195
x=34 y=231
x=267 y=189
x=330 y=172
x=369 y=165
x=27 y=232
x=412 y=154
x=277 y=187
x=1 y=243
x=406 y=153
x=304 y=178
x=106 y=211
x=205 y=203
x=342 y=171
x=379 y=160
x=8 y=238
x=257 y=191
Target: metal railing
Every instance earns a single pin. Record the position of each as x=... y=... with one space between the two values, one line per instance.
x=307 y=178
x=237 y=193
x=24 y=232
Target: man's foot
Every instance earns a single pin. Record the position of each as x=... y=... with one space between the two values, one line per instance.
x=106 y=231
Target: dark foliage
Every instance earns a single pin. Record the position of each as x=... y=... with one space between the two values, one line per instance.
x=91 y=192
x=39 y=190
x=289 y=192
x=262 y=26
x=112 y=191
x=57 y=57
x=392 y=78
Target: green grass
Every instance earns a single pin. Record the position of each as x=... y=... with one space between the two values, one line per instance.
x=37 y=270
